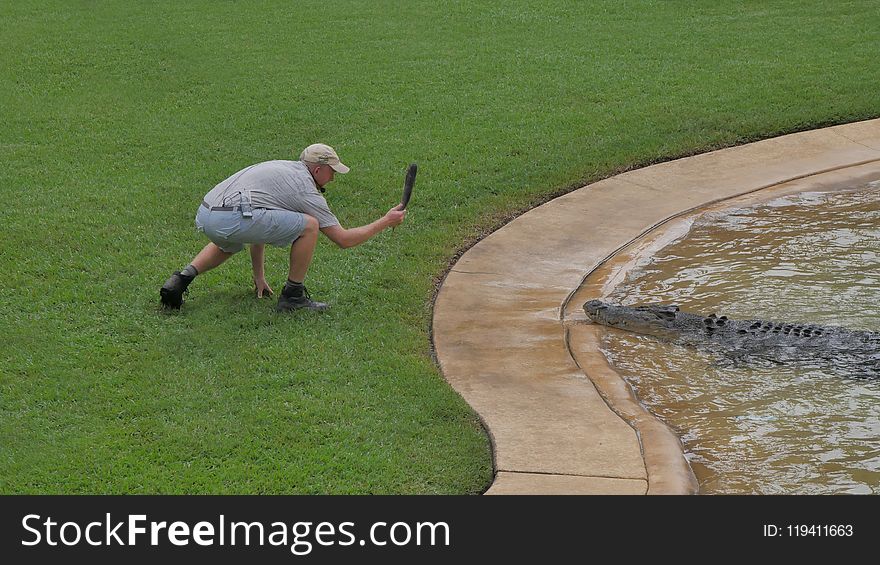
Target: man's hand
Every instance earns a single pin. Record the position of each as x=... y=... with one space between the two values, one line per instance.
x=395 y=216
x=346 y=238
x=260 y=286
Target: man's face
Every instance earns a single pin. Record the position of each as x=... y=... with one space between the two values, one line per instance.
x=323 y=174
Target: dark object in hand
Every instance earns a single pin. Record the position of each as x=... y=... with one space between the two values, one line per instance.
x=408 y=184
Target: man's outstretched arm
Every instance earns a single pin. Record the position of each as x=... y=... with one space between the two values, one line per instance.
x=346 y=238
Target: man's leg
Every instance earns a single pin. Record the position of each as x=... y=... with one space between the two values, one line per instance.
x=295 y=296
x=171 y=293
x=209 y=257
x=302 y=250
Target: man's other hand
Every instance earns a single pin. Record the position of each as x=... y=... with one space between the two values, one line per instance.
x=395 y=216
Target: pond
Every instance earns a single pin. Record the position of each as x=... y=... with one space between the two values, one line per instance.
x=765 y=428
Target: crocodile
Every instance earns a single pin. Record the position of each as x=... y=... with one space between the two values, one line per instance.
x=855 y=351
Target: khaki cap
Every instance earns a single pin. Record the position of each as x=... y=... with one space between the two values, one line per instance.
x=323 y=155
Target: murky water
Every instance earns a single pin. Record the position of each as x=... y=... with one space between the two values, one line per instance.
x=766 y=428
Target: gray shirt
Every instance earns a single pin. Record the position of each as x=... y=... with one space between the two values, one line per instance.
x=277 y=185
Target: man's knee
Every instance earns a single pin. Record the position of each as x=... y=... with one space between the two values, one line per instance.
x=311 y=224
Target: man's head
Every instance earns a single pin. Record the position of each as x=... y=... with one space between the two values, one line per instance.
x=322 y=162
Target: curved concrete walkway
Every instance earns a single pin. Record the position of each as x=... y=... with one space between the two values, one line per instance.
x=561 y=421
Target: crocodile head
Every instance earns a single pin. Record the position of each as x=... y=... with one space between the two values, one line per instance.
x=653 y=319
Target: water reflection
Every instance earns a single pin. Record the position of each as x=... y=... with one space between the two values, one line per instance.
x=773 y=429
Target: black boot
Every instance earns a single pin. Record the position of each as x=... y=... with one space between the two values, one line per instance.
x=294 y=297
x=171 y=293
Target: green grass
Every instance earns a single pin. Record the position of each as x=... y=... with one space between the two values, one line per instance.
x=117 y=117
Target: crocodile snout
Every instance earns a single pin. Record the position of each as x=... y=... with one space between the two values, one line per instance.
x=593 y=306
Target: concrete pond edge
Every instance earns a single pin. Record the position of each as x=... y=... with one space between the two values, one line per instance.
x=509 y=338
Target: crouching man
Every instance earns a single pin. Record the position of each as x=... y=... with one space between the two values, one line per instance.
x=280 y=203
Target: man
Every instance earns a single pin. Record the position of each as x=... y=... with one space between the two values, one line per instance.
x=275 y=202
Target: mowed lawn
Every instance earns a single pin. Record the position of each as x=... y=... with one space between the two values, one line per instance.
x=117 y=117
